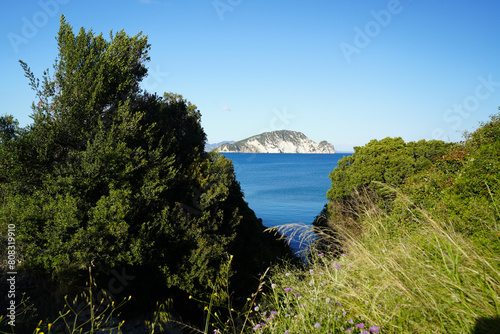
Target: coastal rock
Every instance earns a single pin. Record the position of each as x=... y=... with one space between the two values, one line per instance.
x=283 y=141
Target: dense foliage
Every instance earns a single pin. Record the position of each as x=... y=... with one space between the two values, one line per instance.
x=389 y=161
x=110 y=176
x=463 y=186
x=458 y=183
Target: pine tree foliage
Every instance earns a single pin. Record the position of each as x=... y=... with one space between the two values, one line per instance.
x=109 y=175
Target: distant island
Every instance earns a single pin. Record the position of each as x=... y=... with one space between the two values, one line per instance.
x=283 y=141
x=210 y=147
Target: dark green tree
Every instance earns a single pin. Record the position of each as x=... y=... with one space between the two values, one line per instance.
x=108 y=175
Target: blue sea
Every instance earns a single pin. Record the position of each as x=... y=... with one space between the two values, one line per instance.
x=285 y=188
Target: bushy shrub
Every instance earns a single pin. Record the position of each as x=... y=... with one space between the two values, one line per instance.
x=110 y=176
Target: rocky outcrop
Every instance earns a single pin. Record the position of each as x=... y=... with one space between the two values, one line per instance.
x=283 y=141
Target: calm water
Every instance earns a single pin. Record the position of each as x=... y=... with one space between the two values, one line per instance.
x=285 y=188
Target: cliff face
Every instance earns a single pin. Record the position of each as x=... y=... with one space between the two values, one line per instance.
x=283 y=141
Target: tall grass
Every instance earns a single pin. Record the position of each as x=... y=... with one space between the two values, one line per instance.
x=427 y=279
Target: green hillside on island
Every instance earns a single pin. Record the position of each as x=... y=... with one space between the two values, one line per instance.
x=114 y=219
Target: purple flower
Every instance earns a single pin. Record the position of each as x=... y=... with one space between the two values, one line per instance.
x=343 y=254
x=338 y=304
x=321 y=254
x=374 y=329
x=288 y=289
x=317 y=325
x=365 y=332
x=287 y=274
x=360 y=325
x=350 y=321
x=274 y=312
x=256 y=327
x=287 y=332
x=273 y=286
x=297 y=294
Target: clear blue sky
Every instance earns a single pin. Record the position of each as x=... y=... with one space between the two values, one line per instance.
x=343 y=71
